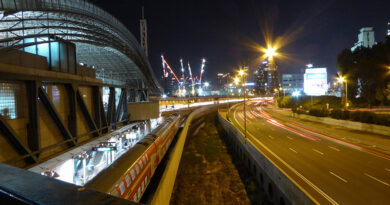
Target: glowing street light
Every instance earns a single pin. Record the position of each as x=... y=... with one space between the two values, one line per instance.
x=270 y=52
x=341 y=80
x=236 y=80
x=241 y=72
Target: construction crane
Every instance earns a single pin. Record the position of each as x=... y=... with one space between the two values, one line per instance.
x=192 y=79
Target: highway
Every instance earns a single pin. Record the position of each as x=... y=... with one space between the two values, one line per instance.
x=328 y=170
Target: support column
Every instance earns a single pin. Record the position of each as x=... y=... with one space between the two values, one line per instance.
x=111 y=107
x=72 y=118
x=33 y=134
x=96 y=107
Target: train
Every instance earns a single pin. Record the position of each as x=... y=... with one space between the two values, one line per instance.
x=130 y=174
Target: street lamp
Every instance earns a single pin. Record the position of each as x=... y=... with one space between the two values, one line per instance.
x=270 y=52
x=242 y=73
x=341 y=80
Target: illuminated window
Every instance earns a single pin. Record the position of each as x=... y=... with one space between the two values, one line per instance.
x=8 y=100
x=128 y=181
x=132 y=174
x=122 y=188
x=135 y=197
x=137 y=169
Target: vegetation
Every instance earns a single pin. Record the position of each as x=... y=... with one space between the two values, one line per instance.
x=367 y=71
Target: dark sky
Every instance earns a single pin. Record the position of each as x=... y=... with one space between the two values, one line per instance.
x=225 y=31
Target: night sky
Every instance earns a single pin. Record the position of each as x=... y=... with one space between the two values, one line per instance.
x=226 y=32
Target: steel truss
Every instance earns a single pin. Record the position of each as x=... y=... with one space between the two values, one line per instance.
x=100 y=39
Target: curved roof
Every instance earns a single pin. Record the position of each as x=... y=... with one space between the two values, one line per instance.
x=100 y=39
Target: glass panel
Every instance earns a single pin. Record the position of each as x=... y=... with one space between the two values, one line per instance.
x=8 y=100
x=55 y=56
x=63 y=57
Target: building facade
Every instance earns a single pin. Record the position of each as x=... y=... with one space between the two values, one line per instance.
x=292 y=83
x=366 y=38
x=266 y=77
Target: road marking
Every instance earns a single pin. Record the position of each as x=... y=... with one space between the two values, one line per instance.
x=327 y=197
x=334 y=148
x=377 y=179
x=318 y=151
x=271 y=137
x=293 y=150
x=289 y=137
x=338 y=177
x=387 y=169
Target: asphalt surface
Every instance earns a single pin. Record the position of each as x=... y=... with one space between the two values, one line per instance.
x=328 y=170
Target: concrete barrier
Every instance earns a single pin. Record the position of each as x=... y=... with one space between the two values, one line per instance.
x=280 y=189
x=164 y=190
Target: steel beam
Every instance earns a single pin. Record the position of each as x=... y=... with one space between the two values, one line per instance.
x=111 y=107
x=96 y=107
x=33 y=134
x=102 y=114
x=44 y=99
x=72 y=118
x=14 y=140
x=87 y=116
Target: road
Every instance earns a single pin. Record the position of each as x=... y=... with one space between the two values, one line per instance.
x=328 y=170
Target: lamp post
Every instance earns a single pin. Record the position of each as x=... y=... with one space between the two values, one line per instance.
x=341 y=80
x=243 y=74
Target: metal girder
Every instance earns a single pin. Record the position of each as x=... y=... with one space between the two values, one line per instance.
x=87 y=116
x=44 y=99
x=96 y=106
x=72 y=118
x=111 y=107
x=13 y=138
x=102 y=114
x=34 y=138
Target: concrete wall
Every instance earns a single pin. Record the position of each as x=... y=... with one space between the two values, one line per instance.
x=280 y=189
x=164 y=190
x=143 y=110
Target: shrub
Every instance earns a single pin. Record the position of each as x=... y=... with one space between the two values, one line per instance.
x=355 y=116
x=367 y=117
x=318 y=112
x=336 y=113
x=345 y=115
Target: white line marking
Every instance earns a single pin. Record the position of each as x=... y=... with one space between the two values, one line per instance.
x=338 y=177
x=387 y=169
x=377 y=179
x=318 y=151
x=334 y=148
x=271 y=137
x=327 y=197
x=289 y=137
x=293 y=150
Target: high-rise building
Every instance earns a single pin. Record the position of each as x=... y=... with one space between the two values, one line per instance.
x=292 y=83
x=266 y=77
x=366 y=38
x=388 y=28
